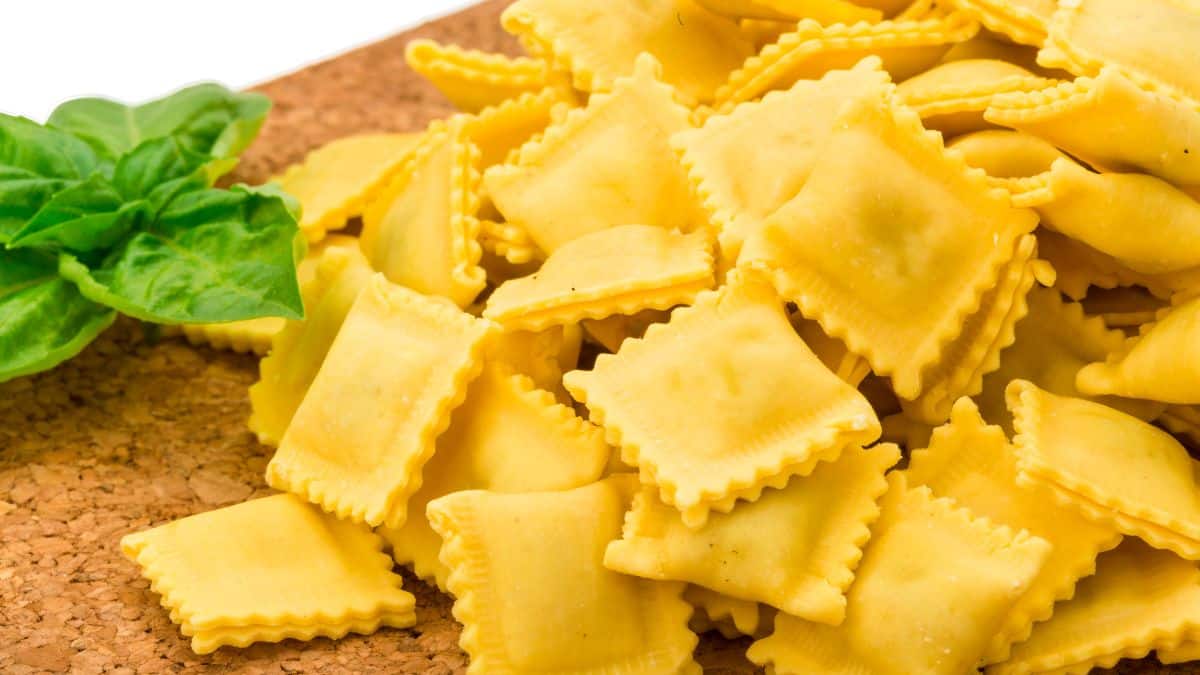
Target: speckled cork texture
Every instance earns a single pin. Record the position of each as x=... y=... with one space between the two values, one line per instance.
x=136 y=432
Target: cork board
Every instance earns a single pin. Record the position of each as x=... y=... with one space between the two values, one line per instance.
x=135 y=432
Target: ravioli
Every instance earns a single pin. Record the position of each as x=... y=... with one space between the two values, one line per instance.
x=1156 y=364
x=794 y=548
x=930 y=570
x=973 y=464
x=905 y=47
x=299 y=573
x=771 y=410
x=604 y=165
x=1111 y=467
x=508 y=436
x=1140 y=599
x=422 y=231
x=620 y=270
x=474 y=80
x=335 y=182
x=516 y=559
x=399 y=365
x=737 y=195
x=952 y=97
x=931 y=237
x=599 y=43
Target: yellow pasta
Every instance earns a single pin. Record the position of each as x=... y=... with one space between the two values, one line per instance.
x=524 y=567
x=612 y=331
x=794 y=548
x=474 y=80
x=1022 y=21
x=298 y=350
x=1109 y=466
x=730 y=616
x=1158 y=364
x=933 y=584
x=770 y=409
x=422 y=231
x=825 y=11
x=620 y=270
x=973 y=464
x=1144 y=222
x=832 y=352
x=600 y=42
x=1052 y=343
x=399 y=365
x=335 y=182
x=951 y=97
x=626 y=346
x=902 y=303
x=738 y=195
x=508 y=436
x=269 y=569
x=604 y=165
x=1157 y=130
x=906 y=47
x=1140 y=599
x=1151 y=40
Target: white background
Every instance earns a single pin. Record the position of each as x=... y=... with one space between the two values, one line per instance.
x=133 y=50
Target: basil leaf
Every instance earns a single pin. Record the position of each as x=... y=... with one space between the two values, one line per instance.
x=84 y=217
x=43 y=318
x=273 y=189
x=210 y=256
x=35 y=163
x=207 y=118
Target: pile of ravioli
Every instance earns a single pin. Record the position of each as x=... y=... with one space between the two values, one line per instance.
x=870 y=330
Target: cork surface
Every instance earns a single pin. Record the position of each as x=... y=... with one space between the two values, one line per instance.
x=136 y=431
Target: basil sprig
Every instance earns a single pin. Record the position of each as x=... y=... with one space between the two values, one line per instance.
x=111 y=208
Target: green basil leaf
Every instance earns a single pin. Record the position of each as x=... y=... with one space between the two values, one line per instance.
x=36 y=163
x=84 y=217
x=273 y=189
x=43 y=318
x=207 y=118
x=209 y=256
x=153 y=163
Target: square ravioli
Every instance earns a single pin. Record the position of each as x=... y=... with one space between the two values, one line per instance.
x=401 y=362
x=920 y=239
x=508 y=436
x=737 y=194
x=604 y=165
x=933 y=584
x=794 y=548
x=906 y=47
x=769 y=408
x=421 y=230
x=598 y=43
x=335 y=182
x=533 y=595
x=621 y=270
x=973 y=464
x=1140 y=599
x=474 y=80
x=269 y=569
x=1109 y=466
x=298 y=351
x=1152 y=40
